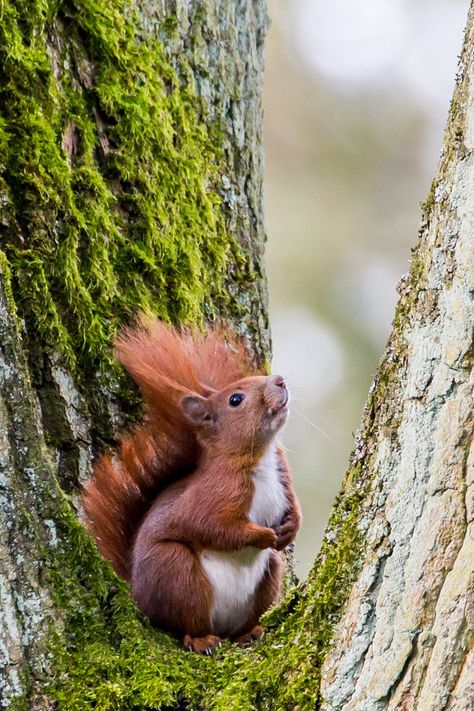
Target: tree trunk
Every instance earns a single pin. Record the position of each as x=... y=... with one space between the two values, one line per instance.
x=406 y=638
x=131 y=179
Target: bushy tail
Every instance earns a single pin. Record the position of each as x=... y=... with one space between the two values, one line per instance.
x=166 y=364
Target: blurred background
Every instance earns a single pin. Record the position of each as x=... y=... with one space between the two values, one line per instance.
x=356 y=100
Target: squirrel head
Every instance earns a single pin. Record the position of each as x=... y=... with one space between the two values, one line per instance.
x=242 y=418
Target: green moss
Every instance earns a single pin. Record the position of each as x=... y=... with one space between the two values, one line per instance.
x=7 y=286
x=113 y=174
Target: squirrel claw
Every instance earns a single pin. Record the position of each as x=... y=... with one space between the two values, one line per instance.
x=202 y=645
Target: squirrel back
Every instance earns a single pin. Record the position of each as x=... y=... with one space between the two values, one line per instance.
x=167 y=364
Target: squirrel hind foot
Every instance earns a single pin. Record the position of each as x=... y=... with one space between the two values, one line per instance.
x=202 y=645
x=249 y=637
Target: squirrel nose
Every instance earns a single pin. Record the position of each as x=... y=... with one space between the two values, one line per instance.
x=279 y=381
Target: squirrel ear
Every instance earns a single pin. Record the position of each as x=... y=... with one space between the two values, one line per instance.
x=207 y=390
x=197 y=410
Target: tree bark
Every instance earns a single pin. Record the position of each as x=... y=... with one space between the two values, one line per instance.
x=131 y=178
x=406 y=638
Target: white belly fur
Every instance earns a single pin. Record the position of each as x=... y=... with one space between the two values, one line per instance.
x=235 y=575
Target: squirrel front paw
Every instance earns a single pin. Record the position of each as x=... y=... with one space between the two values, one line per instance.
x=264 y=538
x=285 y=534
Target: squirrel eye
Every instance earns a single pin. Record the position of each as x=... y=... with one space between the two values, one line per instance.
x=236 y=399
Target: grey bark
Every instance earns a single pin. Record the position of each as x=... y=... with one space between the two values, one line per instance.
x=407 y=634
x=26 y=525
x=223 y=44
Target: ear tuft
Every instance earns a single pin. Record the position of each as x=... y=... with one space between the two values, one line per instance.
x=197 y=410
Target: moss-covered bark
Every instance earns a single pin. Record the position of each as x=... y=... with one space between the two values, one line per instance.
x=130 y=156
x=131 y=178
x=115 y=193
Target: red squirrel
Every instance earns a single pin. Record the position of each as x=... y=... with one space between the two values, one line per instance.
x=198 y=499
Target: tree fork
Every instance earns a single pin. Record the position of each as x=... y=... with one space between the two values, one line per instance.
x=107 y=152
